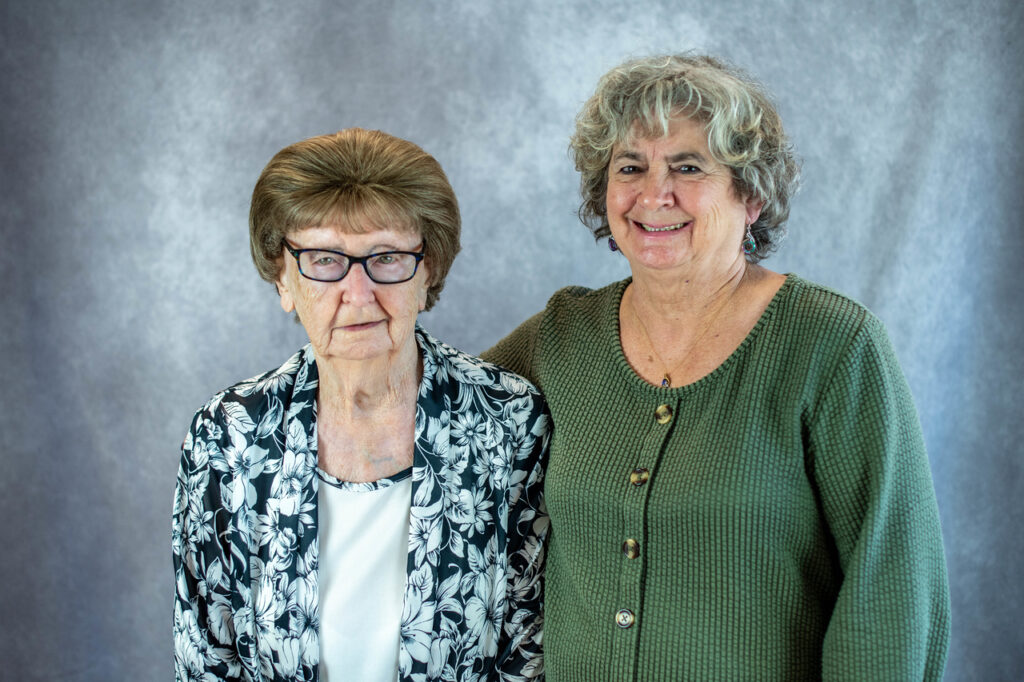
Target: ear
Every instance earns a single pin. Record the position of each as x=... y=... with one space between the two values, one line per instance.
x=753 y=207
x=426 y=286
x=287 y=301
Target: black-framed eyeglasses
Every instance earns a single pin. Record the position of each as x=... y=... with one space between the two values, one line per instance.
x=386 y=267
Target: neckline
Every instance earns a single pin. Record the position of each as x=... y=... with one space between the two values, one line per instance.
x=638 y=381
x=364 y=486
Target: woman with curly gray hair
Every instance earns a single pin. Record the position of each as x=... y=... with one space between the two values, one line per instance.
x=738 y=486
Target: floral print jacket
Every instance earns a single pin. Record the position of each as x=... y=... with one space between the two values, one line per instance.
x=244 y=530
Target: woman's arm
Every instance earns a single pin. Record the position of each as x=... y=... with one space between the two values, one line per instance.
x=867 y=457
x=520 y=654
x=204 y=637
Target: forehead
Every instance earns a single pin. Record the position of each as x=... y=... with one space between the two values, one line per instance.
x=683 y=134
x=342 y=237
x=353 y=212
x=346 y=218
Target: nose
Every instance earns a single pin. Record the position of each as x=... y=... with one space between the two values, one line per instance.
x=656 y=191
x=357 y=287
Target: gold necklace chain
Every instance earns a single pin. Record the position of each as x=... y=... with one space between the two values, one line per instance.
x=666 y=380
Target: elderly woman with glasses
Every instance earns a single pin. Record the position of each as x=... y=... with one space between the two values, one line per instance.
x=370 y=510
x=738 y=486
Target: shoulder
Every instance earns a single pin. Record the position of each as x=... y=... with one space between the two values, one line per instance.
x=814 y=311
x=572 y=319
x=577 y=311
x=446 y=364
x=832 y=333
x=470 y=394
x=243 y=406
x=582 y=300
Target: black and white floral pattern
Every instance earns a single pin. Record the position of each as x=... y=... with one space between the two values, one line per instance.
x=245 y=528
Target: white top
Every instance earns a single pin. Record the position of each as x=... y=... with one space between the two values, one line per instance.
x=364 y=549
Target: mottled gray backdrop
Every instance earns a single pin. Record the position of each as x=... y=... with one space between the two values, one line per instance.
x=131 y=134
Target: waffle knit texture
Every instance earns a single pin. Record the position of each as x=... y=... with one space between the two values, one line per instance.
x=788 y=527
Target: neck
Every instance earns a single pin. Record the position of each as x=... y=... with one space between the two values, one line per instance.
x=668 y=298
x=362 y=388
x=675 y=331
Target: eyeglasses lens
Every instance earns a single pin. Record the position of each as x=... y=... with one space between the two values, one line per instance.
x=385 y=268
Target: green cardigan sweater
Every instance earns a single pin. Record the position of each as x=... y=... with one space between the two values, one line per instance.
x=774 y=520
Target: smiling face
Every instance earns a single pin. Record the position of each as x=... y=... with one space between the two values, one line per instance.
x=354 y=318
x=671 y=205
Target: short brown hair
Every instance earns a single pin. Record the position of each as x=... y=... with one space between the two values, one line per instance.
x=743 y=128
x=360 y=180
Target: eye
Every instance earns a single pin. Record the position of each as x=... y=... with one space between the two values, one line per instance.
x=324 y=260
x=687 y=169
x=384 y=259
x=629 y=170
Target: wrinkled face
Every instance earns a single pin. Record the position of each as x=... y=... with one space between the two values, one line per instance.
x=671 y=205
x=354 y=318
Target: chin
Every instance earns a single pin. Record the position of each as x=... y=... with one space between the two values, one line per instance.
x=662 y=259
x=361 y=352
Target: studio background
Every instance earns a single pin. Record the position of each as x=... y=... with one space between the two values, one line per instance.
x=132 y=134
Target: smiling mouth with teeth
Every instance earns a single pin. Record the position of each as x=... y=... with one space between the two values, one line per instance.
x=667 y=228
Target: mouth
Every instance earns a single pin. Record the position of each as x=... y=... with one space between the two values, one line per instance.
x=361 y=326
x=646 y=227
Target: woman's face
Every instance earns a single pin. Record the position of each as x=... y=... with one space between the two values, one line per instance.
x=354 y=318
x=671 y=205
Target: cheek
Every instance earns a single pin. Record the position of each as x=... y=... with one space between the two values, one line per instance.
x=618 y=200
x=419 y=299
x=313 y=301
x=718 y=207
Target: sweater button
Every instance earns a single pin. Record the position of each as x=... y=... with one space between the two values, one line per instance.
x=625 y=618
x=631 y=548
x=639 y=476
x=663 y=414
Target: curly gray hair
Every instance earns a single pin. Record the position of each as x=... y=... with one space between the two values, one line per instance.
x=744 y=133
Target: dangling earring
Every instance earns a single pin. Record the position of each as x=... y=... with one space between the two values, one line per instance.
x=612 y=245
x=749 y=243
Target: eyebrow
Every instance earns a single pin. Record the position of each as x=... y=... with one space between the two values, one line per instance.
x=675 y=158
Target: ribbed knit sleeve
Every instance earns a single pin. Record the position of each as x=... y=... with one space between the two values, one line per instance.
x=867 y=457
